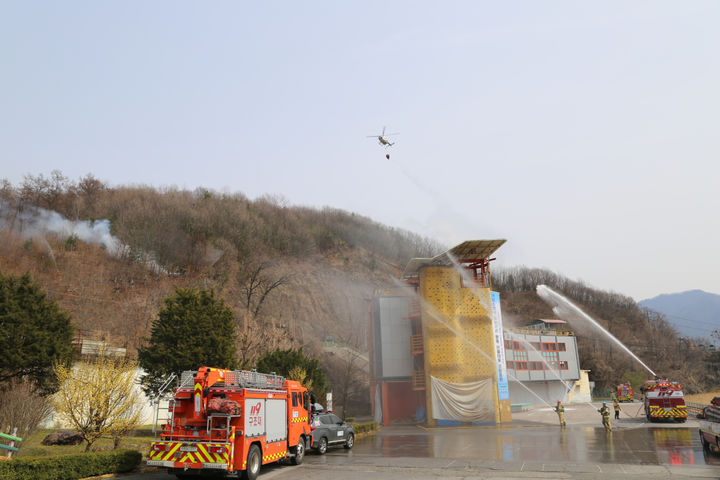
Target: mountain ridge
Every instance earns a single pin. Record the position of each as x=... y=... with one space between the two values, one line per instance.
x=694 y=313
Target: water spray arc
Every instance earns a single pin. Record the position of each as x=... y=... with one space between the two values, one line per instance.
x=557 y=301
x=464 y=274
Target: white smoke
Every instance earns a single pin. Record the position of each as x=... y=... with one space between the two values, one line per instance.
x=36 y=222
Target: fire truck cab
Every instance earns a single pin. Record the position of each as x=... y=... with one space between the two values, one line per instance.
x=664 y=400
x=229 y=423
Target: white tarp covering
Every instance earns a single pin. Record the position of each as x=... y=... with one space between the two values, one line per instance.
x=464 y=402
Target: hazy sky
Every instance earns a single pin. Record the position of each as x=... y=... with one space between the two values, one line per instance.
x=585 y=133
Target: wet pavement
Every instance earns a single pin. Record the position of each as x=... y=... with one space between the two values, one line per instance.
x=533 y=446
x=542 y=444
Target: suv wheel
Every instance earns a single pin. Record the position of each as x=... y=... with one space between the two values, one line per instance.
x=322 y=446
x=350 y=441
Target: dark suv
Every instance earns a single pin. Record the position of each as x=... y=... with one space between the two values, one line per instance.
x=328 y=430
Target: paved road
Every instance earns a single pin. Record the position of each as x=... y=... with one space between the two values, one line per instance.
x=532 y=447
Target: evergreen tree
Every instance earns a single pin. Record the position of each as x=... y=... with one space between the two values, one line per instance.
x=283 y=362
x=34 y=333
x=192 y=330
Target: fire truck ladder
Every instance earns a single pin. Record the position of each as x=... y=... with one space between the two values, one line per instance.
x=156 y=401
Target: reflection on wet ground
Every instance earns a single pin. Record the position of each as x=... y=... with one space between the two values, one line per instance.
x=646 y=446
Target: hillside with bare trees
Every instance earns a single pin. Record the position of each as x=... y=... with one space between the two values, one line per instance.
x=109 y=256
x=292 y=275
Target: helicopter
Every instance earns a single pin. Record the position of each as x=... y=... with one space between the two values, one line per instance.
x=382 y=138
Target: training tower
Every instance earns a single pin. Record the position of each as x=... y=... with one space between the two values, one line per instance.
x=438 y=352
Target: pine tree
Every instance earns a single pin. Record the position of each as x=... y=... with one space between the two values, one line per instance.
x=193 y=329
x=289 y=362
x=35 y=334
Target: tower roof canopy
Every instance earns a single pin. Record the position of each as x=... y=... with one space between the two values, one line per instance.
x=469 y=251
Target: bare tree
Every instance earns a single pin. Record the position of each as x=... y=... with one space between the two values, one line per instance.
x=256 y=284
x=22 y=406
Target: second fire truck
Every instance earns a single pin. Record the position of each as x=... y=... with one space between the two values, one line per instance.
x=232 y=422
x=625 y=393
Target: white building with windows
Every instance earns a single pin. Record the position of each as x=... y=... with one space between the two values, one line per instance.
x=543 y=356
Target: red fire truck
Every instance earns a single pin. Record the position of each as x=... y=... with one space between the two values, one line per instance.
x=231 y=423
x=625 y=392
x=664 y=400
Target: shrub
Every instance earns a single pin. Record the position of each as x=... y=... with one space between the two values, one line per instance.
x=70 y=467
x=365 y=427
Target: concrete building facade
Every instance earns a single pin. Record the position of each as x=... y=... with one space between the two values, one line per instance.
x=544 y=357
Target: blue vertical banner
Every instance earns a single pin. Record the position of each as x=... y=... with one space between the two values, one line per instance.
x=502 y=382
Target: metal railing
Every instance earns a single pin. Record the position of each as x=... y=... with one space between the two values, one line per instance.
x=696 y=409
x=546 y=332
x=239 y=378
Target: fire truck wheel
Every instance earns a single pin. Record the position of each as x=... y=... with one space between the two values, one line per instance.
x=299 y=452
x=350 y=441
x=253 y=463
x=322 y=446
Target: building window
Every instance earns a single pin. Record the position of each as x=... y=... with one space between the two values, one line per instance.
x=536 y=346
x=508 y=344
x=537 y=366
x=511 y=365
x=518 y=346
x=521 y=365
x=551 y=356
x=521 y=355
x=563 y=365
x=549 y=347
x=561 y=347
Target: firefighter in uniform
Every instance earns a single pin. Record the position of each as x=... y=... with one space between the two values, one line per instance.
x=616 y=406
x=605 y=412
x=561 y=413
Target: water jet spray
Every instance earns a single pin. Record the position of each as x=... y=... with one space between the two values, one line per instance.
x=557 y=301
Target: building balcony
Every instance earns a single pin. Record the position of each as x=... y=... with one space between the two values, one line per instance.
x=416 y=344
x=418 y=380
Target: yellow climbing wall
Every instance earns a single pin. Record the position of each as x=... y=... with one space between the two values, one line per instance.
x=457 y=328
